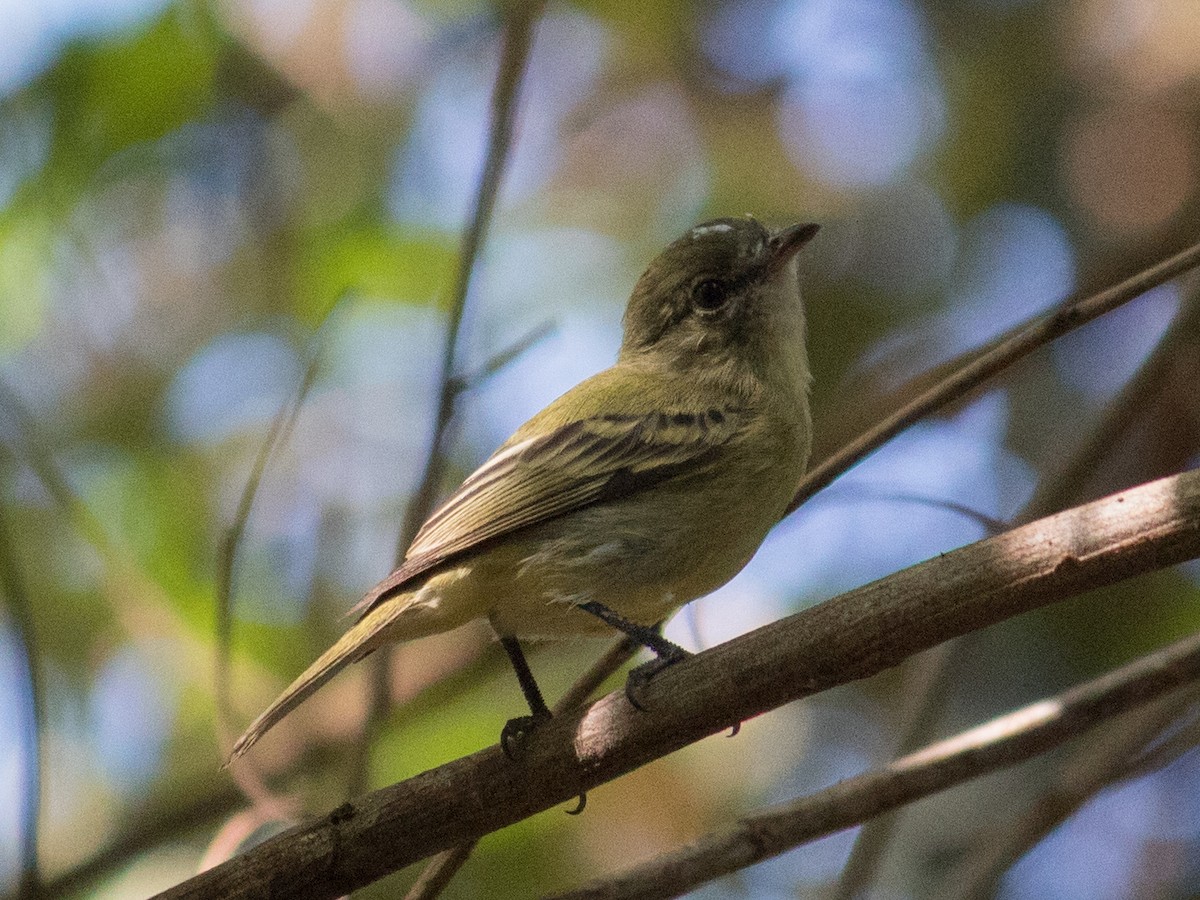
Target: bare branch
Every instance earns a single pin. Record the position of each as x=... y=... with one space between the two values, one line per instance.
x=518 y=37
x=513 y=351
x=927 y=684
x=989 y=524
x=1037 y=333
x=853 y=636
x=1094 y=766
x=31 y=716
x=1064 y=486
x=1002 y=742
x=1102 y=761
x=247 y=777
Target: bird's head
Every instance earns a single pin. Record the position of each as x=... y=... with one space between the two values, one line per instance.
x=726 y=295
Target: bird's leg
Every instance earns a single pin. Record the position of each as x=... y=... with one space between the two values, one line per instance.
x=516 y=731
x=666 y=652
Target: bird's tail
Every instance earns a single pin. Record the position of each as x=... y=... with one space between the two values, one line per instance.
x=356 y=643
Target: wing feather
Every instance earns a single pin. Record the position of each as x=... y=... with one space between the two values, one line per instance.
x=535 y=479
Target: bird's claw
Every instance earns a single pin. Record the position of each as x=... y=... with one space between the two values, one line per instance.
x=516 y=732
x=640 y=677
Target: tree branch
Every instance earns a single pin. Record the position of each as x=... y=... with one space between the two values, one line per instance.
x=518 y=38
x=248 y=778
x=926 y=688
x=1039 y=332
x=1111 y=755
x=31 y=715
x=853 y=636
x=1002 y=742
x=521 y=19
x=442 y=867
x=1132 y=402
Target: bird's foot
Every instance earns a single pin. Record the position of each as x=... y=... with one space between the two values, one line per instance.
x=640 y=677
x=516 y=733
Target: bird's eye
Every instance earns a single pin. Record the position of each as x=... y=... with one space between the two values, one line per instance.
x=710 y=295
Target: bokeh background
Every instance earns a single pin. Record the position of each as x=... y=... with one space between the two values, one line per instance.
x=197 y=199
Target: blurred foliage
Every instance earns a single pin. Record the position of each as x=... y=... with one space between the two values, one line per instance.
x=188 y=190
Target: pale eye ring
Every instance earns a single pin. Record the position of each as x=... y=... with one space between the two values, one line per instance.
x=710 y=295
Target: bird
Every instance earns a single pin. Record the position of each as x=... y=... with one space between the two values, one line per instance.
x=644 y=487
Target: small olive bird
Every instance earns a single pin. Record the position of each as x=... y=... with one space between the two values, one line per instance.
x=639 y=490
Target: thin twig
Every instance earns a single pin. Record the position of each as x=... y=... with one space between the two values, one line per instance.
x=854 y=636
x=1038 y=333
x=437 y=874
x=247 y=777
x=989 y=524
x=34 y=453
x=1168 y=747
x=31 y=714
x=516 y=41
x=509 y=354
x=1002 y=742
x=1066 y=485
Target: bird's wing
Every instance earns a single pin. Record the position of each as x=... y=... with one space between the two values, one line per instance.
x=532 y=479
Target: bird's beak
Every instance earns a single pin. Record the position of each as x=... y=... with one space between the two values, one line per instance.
x=784 y=244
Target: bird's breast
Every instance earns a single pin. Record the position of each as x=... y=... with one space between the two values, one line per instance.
x=648 y=554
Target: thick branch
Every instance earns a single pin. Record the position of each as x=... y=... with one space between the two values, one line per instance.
x=441 y=868
x=853 y=636
x=1002 y=742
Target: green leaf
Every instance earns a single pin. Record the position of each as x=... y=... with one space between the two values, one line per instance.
x=26 y=251
x=119 y=93
x=375 y=261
